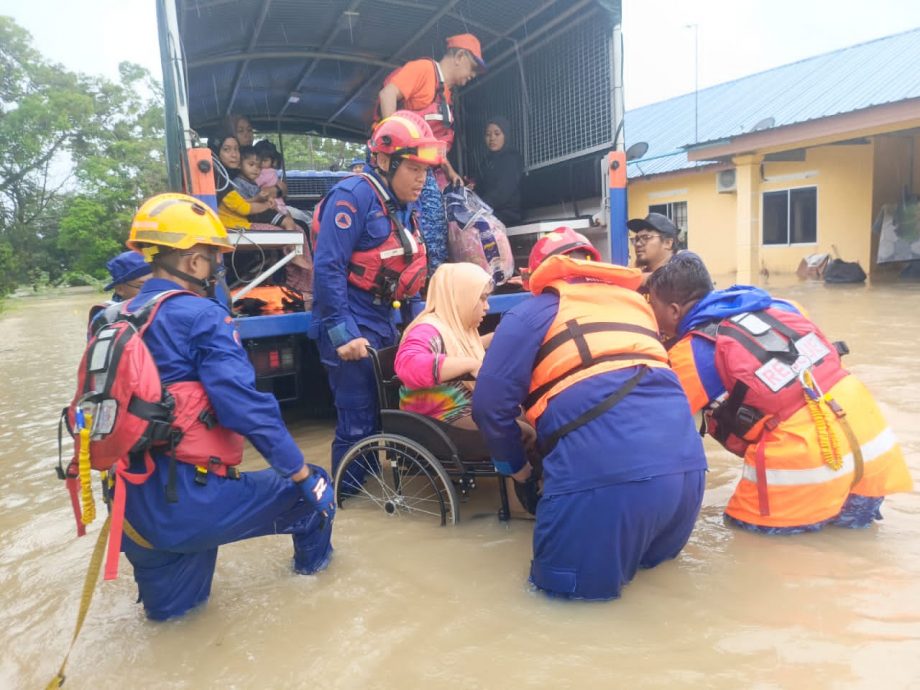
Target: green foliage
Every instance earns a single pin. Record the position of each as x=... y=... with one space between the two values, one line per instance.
x=307 y=152
x=79 y=153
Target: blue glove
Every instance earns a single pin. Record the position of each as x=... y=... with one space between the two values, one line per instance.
x=317 y=490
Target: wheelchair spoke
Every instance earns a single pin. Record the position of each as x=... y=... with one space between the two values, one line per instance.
x=397 y=476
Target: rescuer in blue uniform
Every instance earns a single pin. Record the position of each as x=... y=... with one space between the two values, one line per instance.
x=624 y=469
x=369 y=254
x=192 y=339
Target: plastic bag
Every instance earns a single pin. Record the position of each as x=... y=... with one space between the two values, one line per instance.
x=475 y=235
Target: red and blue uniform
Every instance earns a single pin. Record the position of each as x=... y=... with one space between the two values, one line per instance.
x=193 y=339
x=353 y=219
x=620 y=492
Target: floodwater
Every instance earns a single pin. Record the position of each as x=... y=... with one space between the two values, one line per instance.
x=407 y=605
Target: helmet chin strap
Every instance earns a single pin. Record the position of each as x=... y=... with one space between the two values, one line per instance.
x=395 y=162
x=204 y=286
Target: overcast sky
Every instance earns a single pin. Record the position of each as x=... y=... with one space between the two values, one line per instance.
x=736 y=37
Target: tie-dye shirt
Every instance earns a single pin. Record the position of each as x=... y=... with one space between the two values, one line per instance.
x=418 y=366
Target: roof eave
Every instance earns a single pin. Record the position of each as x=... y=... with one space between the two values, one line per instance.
x=865 y=122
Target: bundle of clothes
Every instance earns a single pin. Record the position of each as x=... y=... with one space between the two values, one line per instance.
x=476 y=235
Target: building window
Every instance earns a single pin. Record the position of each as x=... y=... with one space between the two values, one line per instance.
x=677 y=214
x=790 y=216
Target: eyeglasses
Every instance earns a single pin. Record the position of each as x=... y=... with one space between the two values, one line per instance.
x=642 y=239
x=219 y=272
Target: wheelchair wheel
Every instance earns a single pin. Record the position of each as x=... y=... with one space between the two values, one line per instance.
x=398 y=476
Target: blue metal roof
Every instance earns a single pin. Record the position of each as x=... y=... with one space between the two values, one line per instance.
x=861 y=76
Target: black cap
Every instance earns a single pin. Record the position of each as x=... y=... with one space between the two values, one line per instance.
x=656 y=222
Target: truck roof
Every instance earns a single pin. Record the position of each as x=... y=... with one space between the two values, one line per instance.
x=317 y=66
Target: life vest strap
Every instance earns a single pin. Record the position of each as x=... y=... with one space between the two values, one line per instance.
x=594 y=412
x=539 y=392
x=760 y=465
x=575 y=331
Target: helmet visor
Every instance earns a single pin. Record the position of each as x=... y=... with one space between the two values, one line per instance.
x=429 y=153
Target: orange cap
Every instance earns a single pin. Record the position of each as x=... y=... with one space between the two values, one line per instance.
x=469 y=43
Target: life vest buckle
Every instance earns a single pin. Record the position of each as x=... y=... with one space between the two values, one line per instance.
x=746 y=417
x=208 y=418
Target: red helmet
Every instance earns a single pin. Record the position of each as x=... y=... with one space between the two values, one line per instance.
x=562 y=240
x=406 y=135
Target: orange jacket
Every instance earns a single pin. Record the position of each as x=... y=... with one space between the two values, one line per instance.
x=602 y=325
x=801 y=489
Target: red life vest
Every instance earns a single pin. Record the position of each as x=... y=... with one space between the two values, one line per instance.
x=125 y=412
x=396 y=268
x=438 y=114
x=132 y=412
x=759 y=357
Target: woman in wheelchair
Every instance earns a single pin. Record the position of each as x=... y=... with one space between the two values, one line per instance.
x=440 y=354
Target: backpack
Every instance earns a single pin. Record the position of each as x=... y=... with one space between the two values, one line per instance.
x=761 y=358
x=120 y=399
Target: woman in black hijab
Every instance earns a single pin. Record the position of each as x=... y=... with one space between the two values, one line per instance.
x=499 y=183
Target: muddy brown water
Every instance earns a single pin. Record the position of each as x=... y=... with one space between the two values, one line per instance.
x=406 y=605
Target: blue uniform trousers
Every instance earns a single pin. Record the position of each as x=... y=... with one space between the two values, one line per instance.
x=433 y=223
x=588 y=544
x=175 y=575
x=354 y=389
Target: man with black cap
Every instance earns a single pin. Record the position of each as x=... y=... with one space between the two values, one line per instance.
x=655 y=242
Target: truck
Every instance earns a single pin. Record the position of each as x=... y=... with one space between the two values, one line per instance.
x=299 y=67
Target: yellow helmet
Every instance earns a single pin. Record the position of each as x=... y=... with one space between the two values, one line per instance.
x=177 y=221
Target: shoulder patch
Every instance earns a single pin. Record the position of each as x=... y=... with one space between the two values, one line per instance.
x=343 y=220
x=347 y=204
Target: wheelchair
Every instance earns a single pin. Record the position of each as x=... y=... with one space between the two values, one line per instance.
x=411 y=468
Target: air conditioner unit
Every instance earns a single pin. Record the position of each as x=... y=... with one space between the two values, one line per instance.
x=725 y=181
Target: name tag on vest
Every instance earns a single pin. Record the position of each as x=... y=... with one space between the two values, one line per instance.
x=775 y=374
x=810 y=346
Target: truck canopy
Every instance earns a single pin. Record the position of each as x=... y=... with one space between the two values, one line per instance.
x=316 y=67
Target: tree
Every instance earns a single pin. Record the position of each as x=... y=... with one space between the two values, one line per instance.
x=79 y=154
x=309 y=152
x=44 y=111
x=125 y=166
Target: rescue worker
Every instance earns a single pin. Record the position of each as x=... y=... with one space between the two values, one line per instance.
x=128 y=271
x=623 y=467
x=193 y=341
x=425 y=87
x=655 y=243
x=368 y=254
x=816 y=448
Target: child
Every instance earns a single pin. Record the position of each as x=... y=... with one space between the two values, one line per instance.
x=270 y=163
x=298 y=274
x=247 y=185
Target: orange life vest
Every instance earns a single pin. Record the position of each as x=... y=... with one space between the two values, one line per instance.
x=602 y=325
x=786 y=480
x=801 y=488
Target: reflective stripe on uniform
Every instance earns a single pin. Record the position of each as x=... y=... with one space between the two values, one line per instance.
x=872 y=450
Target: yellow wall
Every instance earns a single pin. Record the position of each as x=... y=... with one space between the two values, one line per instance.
x=710 y=216
x=842 y=174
